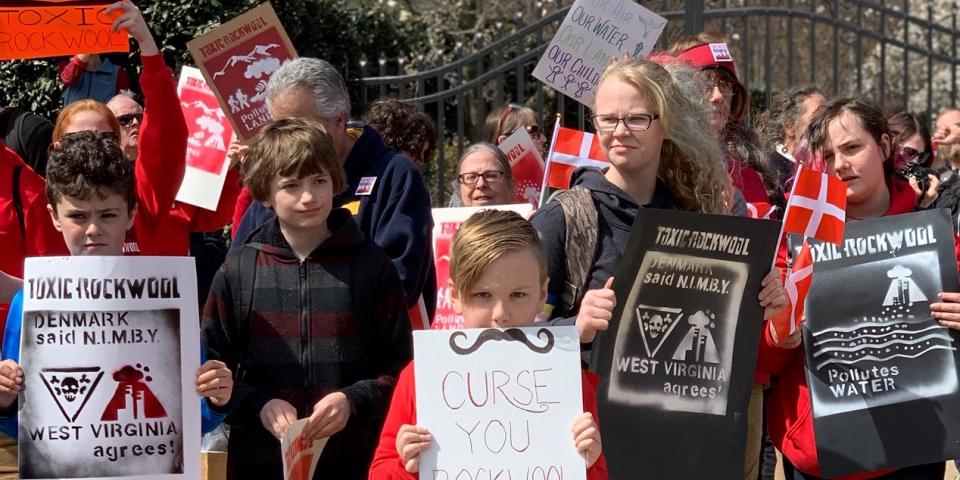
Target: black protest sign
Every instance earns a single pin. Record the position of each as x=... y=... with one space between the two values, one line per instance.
x=882 y=372
x=678 y=359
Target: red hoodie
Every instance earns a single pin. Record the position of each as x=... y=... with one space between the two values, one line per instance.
x=747 y=180
x=789 y=418
x=162 y=226
x=403 y=410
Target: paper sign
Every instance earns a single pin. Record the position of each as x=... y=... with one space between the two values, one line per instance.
x=882 y=372
x=109 y=351
x=592 y=34
x=680 y=353
x=446 y=222
x=47 y=28
x=237 y=59
x=210 y=135
x=299 y=456
x=526 y=164
x=499 y=403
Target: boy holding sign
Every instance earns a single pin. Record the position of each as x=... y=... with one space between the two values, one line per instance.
x=309 y=312
x=90 y=186
x=498 y=279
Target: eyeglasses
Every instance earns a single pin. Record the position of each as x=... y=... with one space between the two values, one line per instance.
x=471 y=178
x=915 y=155
x=635 y=122
x=717 y=80
x=127 y=119
x=111 y=136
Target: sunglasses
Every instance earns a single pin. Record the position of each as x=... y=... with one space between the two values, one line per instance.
x=111 y=136
x=127 y=119
x=915 y=156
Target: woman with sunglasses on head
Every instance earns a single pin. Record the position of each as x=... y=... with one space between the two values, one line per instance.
x=854 y=141
x=161 y=156
x=483 y=177
x=502 y=122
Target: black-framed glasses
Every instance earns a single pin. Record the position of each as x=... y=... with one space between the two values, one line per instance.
x=534 y=131
x=127 y=119
x=112 y=136
x=718 y=80
x=914 y=155
x=489 y=176
x=635 y=122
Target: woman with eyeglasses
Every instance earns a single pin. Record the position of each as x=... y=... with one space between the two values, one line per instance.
x=502 y=122
x=729 y=104
x=483 y=177
x=161 y=156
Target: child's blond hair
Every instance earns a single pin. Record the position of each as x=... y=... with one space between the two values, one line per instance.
x=486 y=236
x=291 y=146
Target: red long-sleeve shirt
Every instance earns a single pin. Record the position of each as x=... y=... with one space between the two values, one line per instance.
x=403 y=410
x=162 y=225
x=70 y=71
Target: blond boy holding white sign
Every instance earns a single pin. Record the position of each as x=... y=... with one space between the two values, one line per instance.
x=498 y=279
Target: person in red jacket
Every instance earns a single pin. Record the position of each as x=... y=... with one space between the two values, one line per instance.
x=853 y=139
x=163 y=224
x=498 y=279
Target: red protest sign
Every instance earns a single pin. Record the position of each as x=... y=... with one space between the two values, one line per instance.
x=210 y=135
x=237 y=59
x=51 y=28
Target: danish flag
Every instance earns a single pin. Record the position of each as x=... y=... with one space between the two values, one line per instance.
x=797 y=285
x=817 y=206
x=761 y=210
x=572 y=149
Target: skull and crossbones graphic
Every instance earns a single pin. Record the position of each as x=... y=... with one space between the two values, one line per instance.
x=70 y=387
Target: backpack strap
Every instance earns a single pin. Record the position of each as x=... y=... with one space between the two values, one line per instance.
x=18 y=201
x=581 y=219
x=242 y=272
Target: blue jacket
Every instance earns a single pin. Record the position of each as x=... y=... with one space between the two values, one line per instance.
x=209 y=419
x=395 y=215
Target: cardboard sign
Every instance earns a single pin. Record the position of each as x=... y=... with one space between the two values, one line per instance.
x=526 y=165
x=299 y=456
x=210 y=136
x=882 y=372
x=592 y=34
x=237 y=59
x=109 y=351
x=679 y=355
x=47 y=28
x=446 y=222
x=499 y=403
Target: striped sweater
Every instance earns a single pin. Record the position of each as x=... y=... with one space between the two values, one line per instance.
x=309 y=335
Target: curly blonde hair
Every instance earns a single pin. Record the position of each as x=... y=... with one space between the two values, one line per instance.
x=691 y=161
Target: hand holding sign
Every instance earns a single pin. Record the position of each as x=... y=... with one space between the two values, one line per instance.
x=11 y=382
x=947 y=310
x=586 y=436
x=215 y=381
x=596 y=310
x=277 y=416
x=411 y=442
x=329 y=416
x=132 y=20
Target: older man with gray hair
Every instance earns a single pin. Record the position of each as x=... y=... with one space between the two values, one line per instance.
x=385 y=191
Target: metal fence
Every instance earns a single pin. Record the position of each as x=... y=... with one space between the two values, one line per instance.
x=901 y=54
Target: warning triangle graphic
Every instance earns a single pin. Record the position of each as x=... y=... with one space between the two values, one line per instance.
x=656 y=324
x=71 y=387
